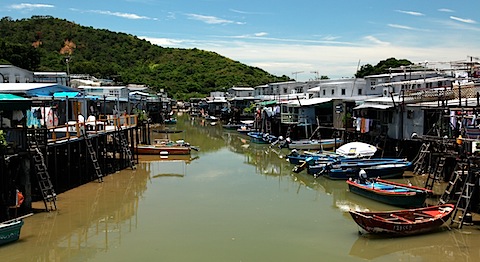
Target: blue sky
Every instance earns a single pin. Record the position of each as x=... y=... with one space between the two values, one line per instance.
x=282 y=37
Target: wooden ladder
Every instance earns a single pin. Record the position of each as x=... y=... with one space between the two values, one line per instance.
x=437 y=174
x=93 y=157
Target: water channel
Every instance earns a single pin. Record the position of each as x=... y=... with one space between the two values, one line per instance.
x=230 y=201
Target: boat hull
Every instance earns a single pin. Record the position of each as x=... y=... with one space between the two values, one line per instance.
x=389 y=170
x=10 y=232
x=403 y=222
x=390 y=193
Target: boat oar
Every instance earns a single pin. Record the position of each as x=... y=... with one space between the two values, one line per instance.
x=300 y=168
x=195 y=148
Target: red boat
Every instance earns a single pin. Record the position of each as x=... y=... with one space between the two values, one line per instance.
x=404 y=222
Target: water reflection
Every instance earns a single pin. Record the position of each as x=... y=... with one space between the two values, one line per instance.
x=438 y=246
x=90 y=219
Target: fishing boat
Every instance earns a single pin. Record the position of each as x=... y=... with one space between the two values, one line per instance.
x=314 y=144
x=165 y=147
x=297 y=159
x=349 y=168
x=245 y=129
x=403 y=222
x=261 y=138
x=10 y=231
x=389 y=192
x=170 y=121
x=231 y=126
x=157 y=150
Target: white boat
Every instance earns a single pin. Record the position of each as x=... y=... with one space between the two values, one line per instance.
x=356 y=150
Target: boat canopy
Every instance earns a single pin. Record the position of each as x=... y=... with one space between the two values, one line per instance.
x=373 y=105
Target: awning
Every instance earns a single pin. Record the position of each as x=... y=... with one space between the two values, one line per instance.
x=309 y=102
x=12 y=102
x=65 y=94
x=268 y=103
x=372 y=105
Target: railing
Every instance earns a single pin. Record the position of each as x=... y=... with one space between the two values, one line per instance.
x=76 y=129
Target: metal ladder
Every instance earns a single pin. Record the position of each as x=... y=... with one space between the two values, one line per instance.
x=463 y=202
x=437 y=174
x=93 y=157
x=126 y=150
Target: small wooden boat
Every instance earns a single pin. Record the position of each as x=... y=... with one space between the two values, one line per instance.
x=315 y=144
x=158 y=149
x=391 y=193
x=261 y=138
x=10 y=230
x=403 y=222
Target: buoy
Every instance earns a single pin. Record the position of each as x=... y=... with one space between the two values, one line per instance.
x=163 y=154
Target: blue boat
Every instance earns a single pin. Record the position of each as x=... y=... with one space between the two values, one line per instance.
x=350 y=168
x=261 y=138
x=10 y=231
x=297 y=159
x=170 y=121
x=389 y=192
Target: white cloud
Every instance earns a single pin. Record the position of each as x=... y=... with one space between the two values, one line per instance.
x=211 y=19
x=401 y=26
x=261 y=34
x=26 y=6
x=375 y=40
x=468 y=21
x=122 y=15
x=446 y=10
x=410 y=13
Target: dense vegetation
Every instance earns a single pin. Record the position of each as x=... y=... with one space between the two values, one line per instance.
x=383 y=67
x=44 y=43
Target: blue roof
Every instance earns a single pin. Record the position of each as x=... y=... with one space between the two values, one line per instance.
x=65 y=94
x=11 y=97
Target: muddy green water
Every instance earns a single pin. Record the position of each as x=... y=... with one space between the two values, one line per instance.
x=233 y=201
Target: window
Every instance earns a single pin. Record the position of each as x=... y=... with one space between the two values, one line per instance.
x=343 y=91
x=324 y=92
x=359 y=91
x=333 y=92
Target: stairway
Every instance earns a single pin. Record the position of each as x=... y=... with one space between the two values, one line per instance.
x=93 y=157
x=35 y=138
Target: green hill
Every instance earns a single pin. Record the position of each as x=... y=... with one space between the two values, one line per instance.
x=42 y=43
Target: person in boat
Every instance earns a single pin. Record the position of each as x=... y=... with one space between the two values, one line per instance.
x=362 y=177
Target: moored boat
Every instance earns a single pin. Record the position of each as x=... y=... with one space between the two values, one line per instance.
x=389 y=192
x=10 y=231
x=350 y=168
x=403 y=222
x=315 y=144
x=158 y=149
x=261 y=138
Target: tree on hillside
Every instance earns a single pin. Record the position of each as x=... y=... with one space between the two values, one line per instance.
x=382 y=67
